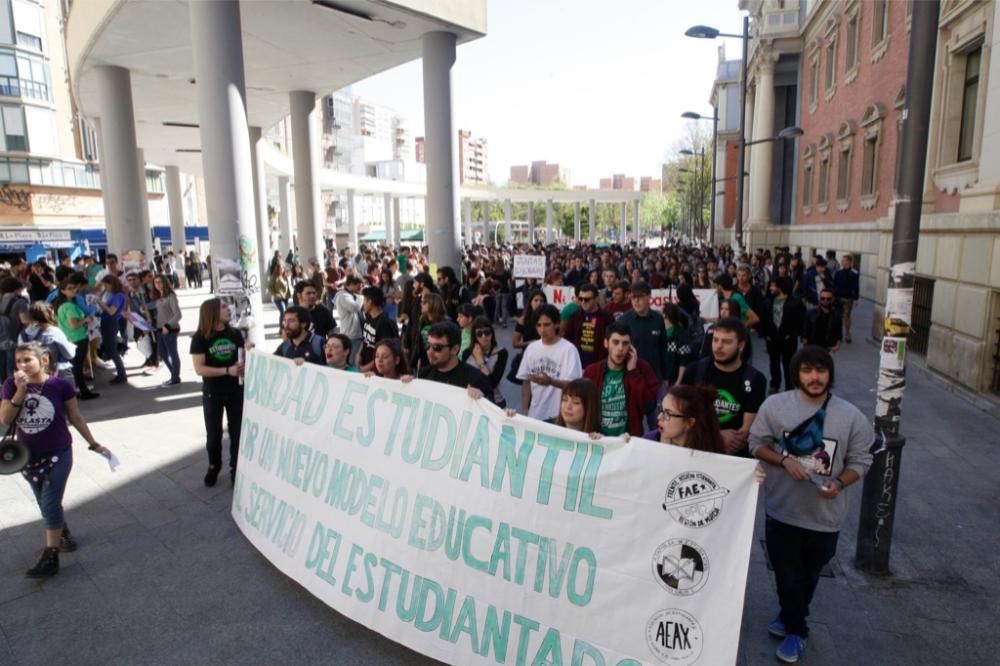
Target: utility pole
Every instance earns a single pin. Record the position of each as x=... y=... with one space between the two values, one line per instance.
x=881 y=485
x=743 y=139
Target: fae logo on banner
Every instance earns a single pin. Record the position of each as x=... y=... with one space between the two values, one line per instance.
x=476 y=538
x=559 y=296
x=529 y=266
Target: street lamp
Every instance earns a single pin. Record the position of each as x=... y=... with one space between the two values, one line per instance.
x=707 y=32
x=784 y=135
x=691 y=115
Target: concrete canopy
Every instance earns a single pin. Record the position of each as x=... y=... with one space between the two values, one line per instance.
x=288 y=45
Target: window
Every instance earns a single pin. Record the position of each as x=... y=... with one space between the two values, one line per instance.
x=880 y=29
x=970 y=96
x=851 y=46
x=15 y=138
x=871 y=125
x=830 y=66
x=813 y=82
x=33 y=74
x=845 y=142
x=28 y=24
x=6 y=30
x=823 y=198
x=807 y=179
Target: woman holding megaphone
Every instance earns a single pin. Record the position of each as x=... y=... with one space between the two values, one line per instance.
x=41 y=404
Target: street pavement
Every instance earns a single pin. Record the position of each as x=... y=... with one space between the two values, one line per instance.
x=163 y=576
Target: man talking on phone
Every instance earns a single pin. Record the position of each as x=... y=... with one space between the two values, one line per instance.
x=626 y=383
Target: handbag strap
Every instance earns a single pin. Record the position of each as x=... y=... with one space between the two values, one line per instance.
x=13 y=425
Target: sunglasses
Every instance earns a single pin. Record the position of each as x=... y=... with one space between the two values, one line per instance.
x=585 y=300
x=437 y=347
x=484 y=333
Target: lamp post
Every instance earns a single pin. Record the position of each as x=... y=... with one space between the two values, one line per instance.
x=691 y=115
x=706 y=32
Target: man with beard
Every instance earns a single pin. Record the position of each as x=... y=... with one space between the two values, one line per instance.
x=821 y=444
x=739 y=388
x=299 y=339
x=322 y=319
x=444 y=365
x=377 y=326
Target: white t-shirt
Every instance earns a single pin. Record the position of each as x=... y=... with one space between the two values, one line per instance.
x=559 y=361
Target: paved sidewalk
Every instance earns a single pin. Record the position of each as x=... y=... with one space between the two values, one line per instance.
x=164 y=577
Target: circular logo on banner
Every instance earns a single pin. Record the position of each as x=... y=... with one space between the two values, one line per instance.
x=674 y=636
x=681 y=566
x=694 y=499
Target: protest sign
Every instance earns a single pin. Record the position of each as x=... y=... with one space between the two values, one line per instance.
x=559 y=296
x=708 y=299
x=529 y=266
x=472 y=537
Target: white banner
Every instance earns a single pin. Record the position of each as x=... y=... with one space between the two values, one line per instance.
x=529 y=266
x=707 y=298
x=559 y=296
x=475 y=538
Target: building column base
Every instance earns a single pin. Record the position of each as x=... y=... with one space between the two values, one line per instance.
x=982 y=198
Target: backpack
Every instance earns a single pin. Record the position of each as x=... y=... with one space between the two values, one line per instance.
x=8 y=327
x=695 y=331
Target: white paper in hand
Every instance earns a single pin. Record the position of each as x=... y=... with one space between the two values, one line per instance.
x=113 y=461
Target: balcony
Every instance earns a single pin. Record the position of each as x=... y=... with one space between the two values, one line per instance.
x=14 y=87
x=777 y=22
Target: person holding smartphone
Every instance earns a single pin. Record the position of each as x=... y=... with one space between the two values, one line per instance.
x=626 y=384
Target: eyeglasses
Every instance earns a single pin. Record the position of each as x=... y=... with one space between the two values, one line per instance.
x=666 y=415
x=484 y=333
x=585 y=300
x=437 y=347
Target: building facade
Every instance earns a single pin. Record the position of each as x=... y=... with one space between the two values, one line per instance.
x=851 y=94
x=473 y=159
x=540 y=173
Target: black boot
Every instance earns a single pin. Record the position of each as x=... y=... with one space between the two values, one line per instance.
x=47 y=565
x=67 y=544
x=211 y=475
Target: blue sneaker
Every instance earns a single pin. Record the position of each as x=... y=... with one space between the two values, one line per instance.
x=777 y=627
x=791 y=649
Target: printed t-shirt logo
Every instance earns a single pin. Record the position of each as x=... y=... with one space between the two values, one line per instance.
x=37 y=414
x=223 y=349
x=726 y=406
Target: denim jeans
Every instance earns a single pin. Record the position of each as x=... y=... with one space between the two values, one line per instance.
x=798 y=556
x=167 y=346
x=282 y=305
x=109 y=343
x=49 y=489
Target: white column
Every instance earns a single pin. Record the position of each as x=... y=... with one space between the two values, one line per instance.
x=760 y=158
x=467 y=212
x=397 y=223
x=441 y=222
x=636 y=222
x=217 y=41
x=487 y=237
x=147 y=230
x=548 y=222
x=175 y=205
x=389 y=224
x=576 y=221
x=120 y=161
x=507 y=220
x=531 y=222
x=623 y=232
x=285 y=216
x=748 y=135
x=260 y=204
x=352 y=222
x=592 y=232
x=305 y=164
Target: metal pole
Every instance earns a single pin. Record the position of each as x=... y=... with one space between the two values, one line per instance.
x=715 y=153
x=879 y=496
x=701 y=195
x=743 y=139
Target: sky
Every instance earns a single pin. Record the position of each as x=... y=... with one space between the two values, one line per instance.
x=595 y=85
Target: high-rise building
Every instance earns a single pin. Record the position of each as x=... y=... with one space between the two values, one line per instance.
x=473 y=166
x=650 y=184
x=539 y=173
x=618 y=181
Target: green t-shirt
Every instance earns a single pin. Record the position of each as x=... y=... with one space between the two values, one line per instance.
x=70 y=310
x=466 y=340
x=614 y=412
x=742 y=302
x=92 y=272
x=568 y=311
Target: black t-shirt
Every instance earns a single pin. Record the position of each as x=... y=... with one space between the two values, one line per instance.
x=374 y=330
x=462 y=376
x=37 y=291
x=734 y=393
x=221 y=349
x=322 y=320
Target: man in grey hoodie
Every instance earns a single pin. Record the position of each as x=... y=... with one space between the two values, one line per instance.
x=821 y=443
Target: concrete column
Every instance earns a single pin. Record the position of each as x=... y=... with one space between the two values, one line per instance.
x=260 y=204
x=576 y=221
x=217 y=44
x=507 y=220
x=487 y=236
x=748 y=134
x=467 y=212
x=636 y=221
x=441 y=224
x=105 y=190
x=531 y=221
x=147 y=248
x=397 y=223
x=352 y=222
x=285 y=216
x=760 y=158
x=305 y=164
x=548 y=223
x=592 y=232
x=175 y=205
x=623 y=232
x=120 y=162
x=389 y=224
